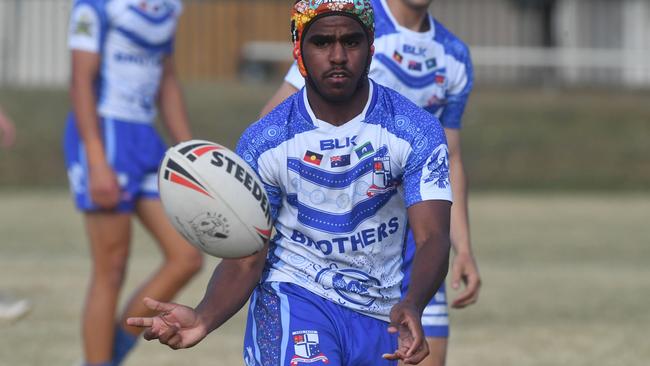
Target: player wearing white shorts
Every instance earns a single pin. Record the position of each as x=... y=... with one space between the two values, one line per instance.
x=346 y=163
x=121 y=69
x=418 y=57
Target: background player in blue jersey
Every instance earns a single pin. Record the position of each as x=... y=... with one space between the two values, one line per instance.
x=344 y=162
x=122 y=68
x=418 y=57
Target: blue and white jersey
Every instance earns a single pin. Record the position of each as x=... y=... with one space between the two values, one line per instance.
x=433 y=69
x=339 y=194
x=132 y=37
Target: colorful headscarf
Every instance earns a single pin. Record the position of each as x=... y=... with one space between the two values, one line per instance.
x=306 y=11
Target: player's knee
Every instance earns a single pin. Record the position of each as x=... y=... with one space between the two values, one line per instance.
x=110 y=270
x=189 y=262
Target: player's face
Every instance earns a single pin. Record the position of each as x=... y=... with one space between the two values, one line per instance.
x=336 y=54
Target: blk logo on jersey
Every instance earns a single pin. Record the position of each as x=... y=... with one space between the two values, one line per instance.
x=306 y=347
x=313 y=158
x=413 y=50
x=340 y=160
x=364 y=150
x=333 y=144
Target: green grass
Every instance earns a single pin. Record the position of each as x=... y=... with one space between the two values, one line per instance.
x=566 y=282
x=512 y=140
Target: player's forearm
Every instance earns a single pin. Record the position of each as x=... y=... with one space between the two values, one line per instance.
x=84 y=105
x=230 y=287
x=460 y=236
x=172 y=106
x=430 y=265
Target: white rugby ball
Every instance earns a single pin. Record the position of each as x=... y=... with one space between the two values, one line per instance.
x=214 y=199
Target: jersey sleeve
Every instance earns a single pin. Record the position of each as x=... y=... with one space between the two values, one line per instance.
x=294 y=77
x=426 y=173
x=247 y=150
x=460 y=86
x=88 y=24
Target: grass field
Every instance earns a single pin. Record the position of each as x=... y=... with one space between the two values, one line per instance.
x=513 y=139
x=566 y=282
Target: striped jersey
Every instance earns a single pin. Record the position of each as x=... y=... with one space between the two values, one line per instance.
x=132 y=37
x=339 y=194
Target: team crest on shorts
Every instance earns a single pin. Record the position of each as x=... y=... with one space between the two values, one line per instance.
x=307 y=348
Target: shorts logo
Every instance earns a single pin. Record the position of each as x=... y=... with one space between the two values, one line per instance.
x=313 y=158
x=306 y=347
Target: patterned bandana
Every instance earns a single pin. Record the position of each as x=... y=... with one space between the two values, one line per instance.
x=306 y=11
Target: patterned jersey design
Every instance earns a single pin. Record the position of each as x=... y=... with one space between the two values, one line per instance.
x=339 y=194
x=132 y=37
x=433 y=69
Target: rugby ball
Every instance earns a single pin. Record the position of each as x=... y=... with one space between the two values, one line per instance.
x=214 y=199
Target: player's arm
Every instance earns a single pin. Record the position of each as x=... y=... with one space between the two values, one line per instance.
x=7 y=130
x=179 y=326
x=172 y=104
x=429 y=221
x=464 y=268
x=104 y=188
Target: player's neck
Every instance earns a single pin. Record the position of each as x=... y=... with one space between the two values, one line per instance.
x=412 y=18
x=338 y=113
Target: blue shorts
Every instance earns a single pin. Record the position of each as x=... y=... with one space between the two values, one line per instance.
x=288 y=326
x=435 y=319
x=134 y=150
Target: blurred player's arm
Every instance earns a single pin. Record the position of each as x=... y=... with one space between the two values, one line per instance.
x=285 y=91
x=7 y=130
x=429 y=221
x=104 y=188
x=179 y=326
x=464 y=268
x=172 y=104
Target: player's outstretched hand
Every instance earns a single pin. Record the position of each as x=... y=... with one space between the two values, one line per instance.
x=104 y=187
x=406 y=321
x=465 y=270
x=177 y=326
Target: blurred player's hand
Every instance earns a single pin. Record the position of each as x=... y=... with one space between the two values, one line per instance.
x=177 y=326
x=465 y=270
x=406 y=321
x=104 y=188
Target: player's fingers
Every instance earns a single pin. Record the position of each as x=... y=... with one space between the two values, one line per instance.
x=157 y=305
x=390 y=356
x=456 y=276
x=392 y=329
x=150 y=334
x=168 y=334
x=139 y=322
x=418 y=338
x=470 y=295
x=175 y=342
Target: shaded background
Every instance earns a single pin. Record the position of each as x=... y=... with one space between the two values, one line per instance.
x=555 y=141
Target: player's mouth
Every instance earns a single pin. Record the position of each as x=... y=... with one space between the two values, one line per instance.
x=337 y=76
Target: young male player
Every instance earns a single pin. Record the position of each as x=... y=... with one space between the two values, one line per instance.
x=121 y=68
x=344 y=162
x=418 y=57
